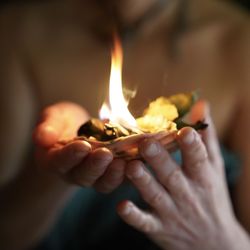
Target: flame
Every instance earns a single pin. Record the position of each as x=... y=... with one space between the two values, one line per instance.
x=105 y=112
x=117 y=109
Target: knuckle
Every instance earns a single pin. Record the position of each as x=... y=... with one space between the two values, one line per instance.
x=174 y=178
x=194 y=205
x=197 y=164
x=132 y=171
x=164 y=158
x=190 y=200
x=146 y=180
x=198 y=160
x=156 y=199
x=146 y=227
x=197 y=147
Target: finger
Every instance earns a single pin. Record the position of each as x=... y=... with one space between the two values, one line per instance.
x=52 y=123
x=112 y=178
x=156 y=196
x=201 y=111
x=63 y=158
x=92 y=168
x=50 y=127
x=46 y=135
x=211 y=141
x=151 y=191
x=138 y=219
x=194 y=153
x=197 y=112
x=160 y=161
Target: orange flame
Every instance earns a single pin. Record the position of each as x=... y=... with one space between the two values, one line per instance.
x=117 y=110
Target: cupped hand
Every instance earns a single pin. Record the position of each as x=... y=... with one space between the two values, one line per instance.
x=190 y=207
x=74 y=160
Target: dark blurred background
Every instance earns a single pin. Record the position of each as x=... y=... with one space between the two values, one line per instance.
x=242 y=3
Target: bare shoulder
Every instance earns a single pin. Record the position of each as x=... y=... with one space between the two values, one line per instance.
x=17 y=109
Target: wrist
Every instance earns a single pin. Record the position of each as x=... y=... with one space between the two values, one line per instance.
x=236 y=237
x=243 y=241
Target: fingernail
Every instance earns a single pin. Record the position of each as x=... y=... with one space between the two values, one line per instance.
x=136 y=174
x=127 y=209
x=189 y=137
x=151 y=150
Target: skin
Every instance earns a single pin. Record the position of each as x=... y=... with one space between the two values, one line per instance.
x=74 y=161
x=44 y=64
x=188 y=203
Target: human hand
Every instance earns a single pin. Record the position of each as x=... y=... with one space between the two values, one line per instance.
x=74 y=161
x=190 y=204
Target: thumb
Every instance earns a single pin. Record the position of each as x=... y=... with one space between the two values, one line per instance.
x=199 y=111
x=50 y=127
x=59 y=122
x=45 y=135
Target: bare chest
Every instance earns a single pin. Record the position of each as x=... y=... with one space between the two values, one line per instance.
x=81 y=74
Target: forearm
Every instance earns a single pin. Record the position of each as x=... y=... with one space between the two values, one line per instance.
x=245 y=239
x=237 y=238
x=29 y=207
